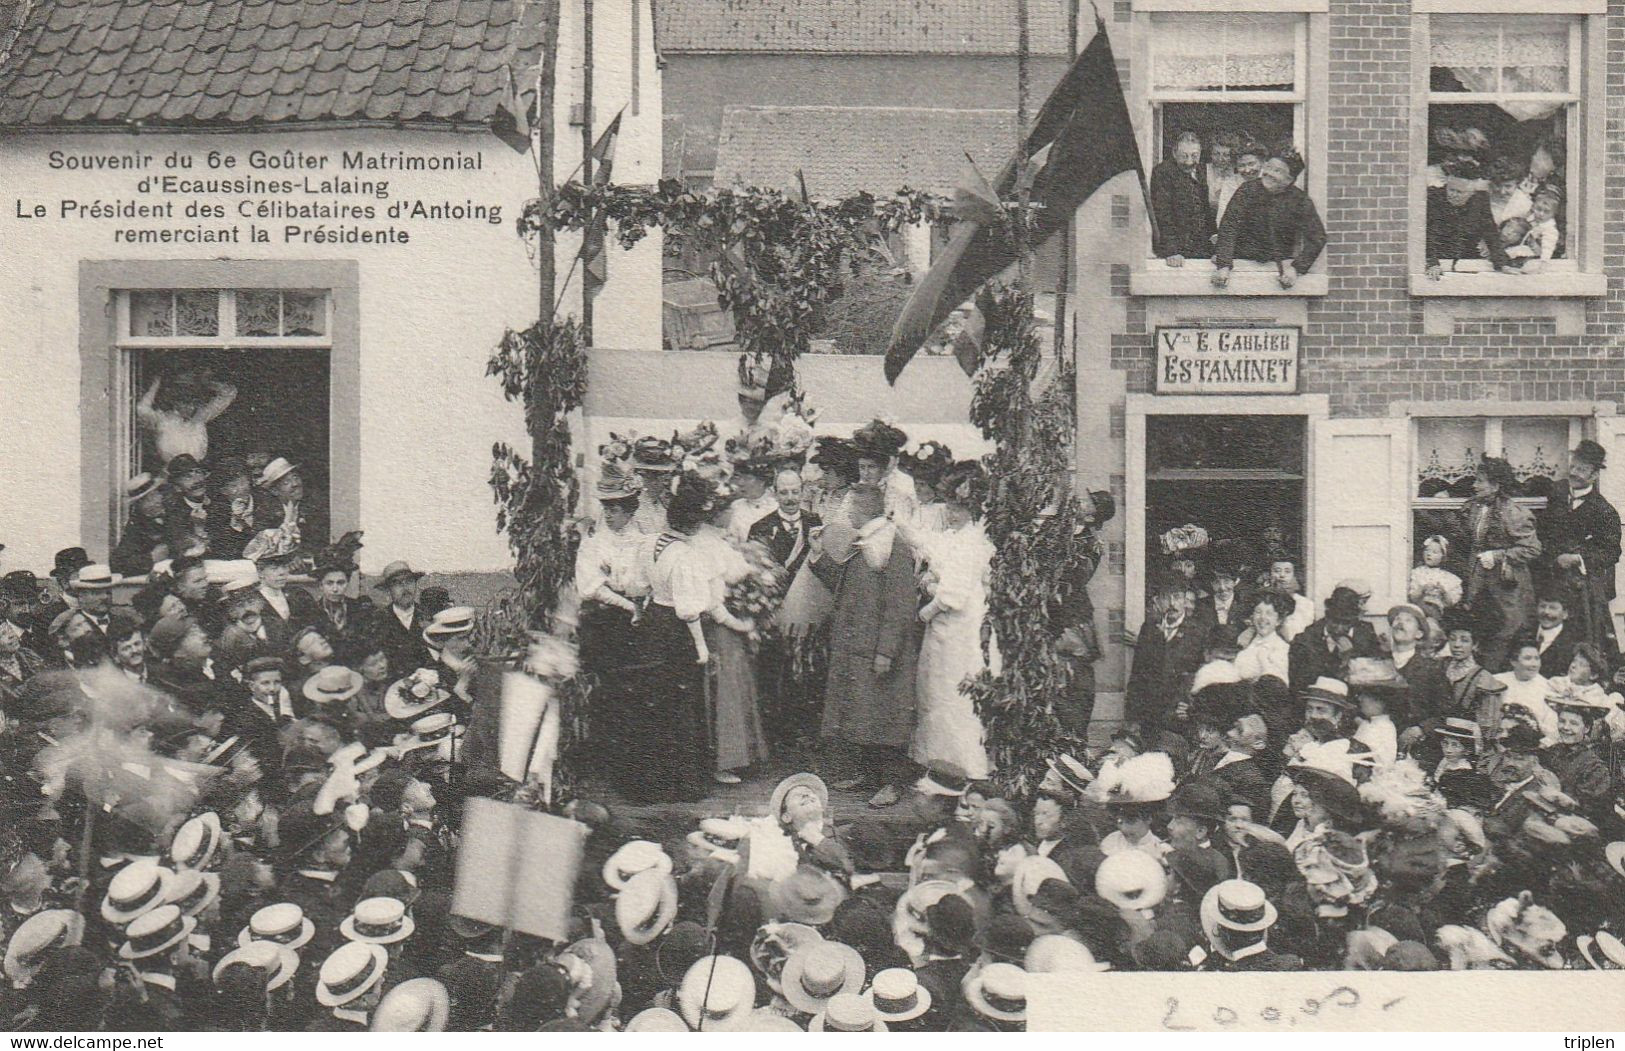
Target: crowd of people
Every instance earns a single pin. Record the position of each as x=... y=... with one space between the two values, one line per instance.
x=237 y=804
x=1493 y=202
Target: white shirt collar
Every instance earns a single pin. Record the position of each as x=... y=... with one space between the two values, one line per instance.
x=404 y=615
x=1577 y=495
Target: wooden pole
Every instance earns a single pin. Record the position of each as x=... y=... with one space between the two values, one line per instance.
x=1024 y=194
x=545 y=95
x=586 y=155
x=1069 y=236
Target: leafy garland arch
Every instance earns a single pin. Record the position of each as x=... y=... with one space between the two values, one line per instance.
x=778 y=259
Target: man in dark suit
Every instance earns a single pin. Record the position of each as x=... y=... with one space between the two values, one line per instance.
x=1427 y=691
x=1179 y=200
x=1580 y=545
x=1324 y=648
x=1555 y=634
x=400 y=624
x=792 y=708
x=186 y=506
x=1167 y=653
x=282 y=503
x=1224 y=610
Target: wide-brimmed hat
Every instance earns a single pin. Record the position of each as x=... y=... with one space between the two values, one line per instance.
x=719 y=837
x=155 y=931
x=274 y=471
x=942 y=778
x=1071 y=771
x=1331 y=691
x=192 y=891
x=775 y=803
x=848 y=1013
x=278 y=961
x=652 y=454
x=196 y=841
x=1465 y=730
x=284 y=924
x=927 y=462
x=774 y=944
x=1588 y=703
x=350 y=973
x=897 y=995
x=1131 y=879
x=878 y=440
x=411 y=695
x=615 y=483
x=419 y=1005
x=1142 y=779
x=633 y=857
x=1236 y=905
x=816 y=972
x=45 y=930
x=1031 y=872
x=397 y=569
x=378 y=921
x=95 y=577
x=645 y=906
x=998 y=991
x=1607 y=945
x=1615 y=853
x=448 y=623
x=136 y=888
x=1007 y=937
x=808 y=895
x=656 y=1020
x=1374 y=675
x=716 y=990
x=1058 y=954
x=334 y=684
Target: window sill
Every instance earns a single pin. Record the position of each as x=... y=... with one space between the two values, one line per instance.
x=1196 y=279
x=1510 y=286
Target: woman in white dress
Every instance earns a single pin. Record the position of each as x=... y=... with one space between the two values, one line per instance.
x=177 y=414
x=958 y=561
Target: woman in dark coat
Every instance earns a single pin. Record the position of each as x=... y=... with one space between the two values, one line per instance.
x=1501 y=537
x=1271 y=220
x=1459 y=223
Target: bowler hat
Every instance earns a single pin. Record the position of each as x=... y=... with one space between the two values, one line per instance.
x=1589 y=452
x=68 y=562
x=183 y=465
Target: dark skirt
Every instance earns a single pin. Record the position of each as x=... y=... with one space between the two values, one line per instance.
x=653 y=713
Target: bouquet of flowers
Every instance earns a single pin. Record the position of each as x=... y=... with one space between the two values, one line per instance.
x=758 y=592
x=422 y=683
x=782 y=434
x=694 y=442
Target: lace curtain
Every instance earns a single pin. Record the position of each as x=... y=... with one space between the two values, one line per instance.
x=1214 y=52
x=1505 y=56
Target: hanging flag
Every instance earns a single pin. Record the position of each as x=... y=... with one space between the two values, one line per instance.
x=512 y=121
x=1086 y=137
x=594 y=260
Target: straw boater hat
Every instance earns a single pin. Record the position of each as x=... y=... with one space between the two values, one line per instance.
x=719 y=837
x=136 y=888
x=50 y=929
x=1610 y=948
x=848 y=1013
x=1071 y=772
x=760 y=1020
x=334 y=684
x=196 y=841
x=816 y=972
x=1235 y=905
x=1132 y=879
x=1374 y=675
x=897 y=995
x=420 y=1005
x=998 y=991
x=430 y=731
x=142 y=485
x=284 y=924
x=808 y=895
x=774 y=944
x=716 y=990
x=1615 y=853
x=656 y=1020
x=378 y=921
x=394 y=570
x=95 y=577
x=1465 y=730
x=192 y=891
x=645 y=906
x=279 y=961
x=634 y=857
x=1058 y=954
x=350 y=973
x=1031 y=872
x=275 y=471
x=775 y=803
x=1331 y=691
x=154 y=932
x=403 y=701
x=448 y=623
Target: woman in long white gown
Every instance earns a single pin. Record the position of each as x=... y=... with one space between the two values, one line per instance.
x=957 y=564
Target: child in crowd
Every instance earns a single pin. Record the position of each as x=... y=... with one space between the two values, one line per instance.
x=1525 y=685
x=1507 y=198
x=1586 y=670
x=1431 y=584
x=1475 y=693
x=1541 y=242
x=1513 y=232
x=1375 y=728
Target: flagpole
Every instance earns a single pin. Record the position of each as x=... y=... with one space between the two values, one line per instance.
x=586 y=154
x=545 y=86
x=1023 y=244
x=1069 y=236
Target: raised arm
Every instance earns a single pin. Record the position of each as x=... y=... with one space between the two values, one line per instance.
x=224 y=395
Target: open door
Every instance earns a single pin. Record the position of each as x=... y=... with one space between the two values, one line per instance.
x=1359 y=511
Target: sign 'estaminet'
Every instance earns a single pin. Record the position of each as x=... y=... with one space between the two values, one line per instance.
x=1236 y=360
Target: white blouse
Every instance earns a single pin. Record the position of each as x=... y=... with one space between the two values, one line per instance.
x=679 y=576
x=612 y=560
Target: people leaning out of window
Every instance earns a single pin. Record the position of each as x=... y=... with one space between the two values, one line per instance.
x=1271 y=220
x=1462 y=219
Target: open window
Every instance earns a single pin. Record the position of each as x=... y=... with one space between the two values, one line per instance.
x=183 y=352
x=1507 y=114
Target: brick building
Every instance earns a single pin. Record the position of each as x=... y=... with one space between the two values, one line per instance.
x=1389 y=384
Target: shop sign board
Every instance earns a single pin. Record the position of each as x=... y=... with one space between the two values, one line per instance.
x=1241 y=359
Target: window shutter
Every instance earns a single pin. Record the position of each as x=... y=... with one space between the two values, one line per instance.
x=1359 y=510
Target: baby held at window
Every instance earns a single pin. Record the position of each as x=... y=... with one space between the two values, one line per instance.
x=1431 y=584
x=1543 y=238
